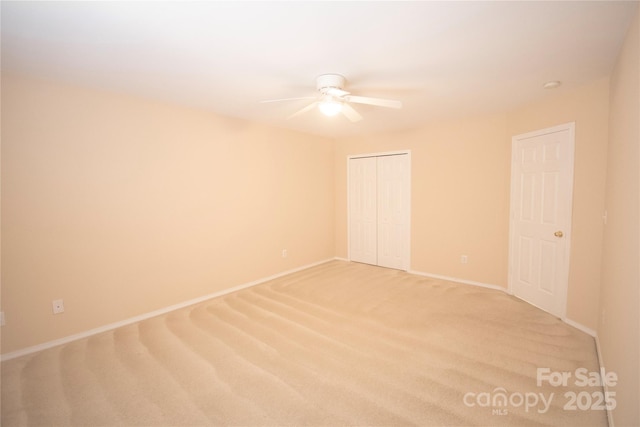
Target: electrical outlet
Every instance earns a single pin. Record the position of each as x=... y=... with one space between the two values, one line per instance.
x=284 y=253
x=58 y=306
x=464 y=259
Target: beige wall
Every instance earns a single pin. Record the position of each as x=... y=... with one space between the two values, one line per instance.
x=588 y=108
x=460 y=191
x=123 y=206
x=619 y=325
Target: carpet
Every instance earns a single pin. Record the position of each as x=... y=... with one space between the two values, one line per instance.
x=339 y=344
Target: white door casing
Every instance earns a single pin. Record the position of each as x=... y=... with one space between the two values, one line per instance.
x=540 y=219
x=379 y=209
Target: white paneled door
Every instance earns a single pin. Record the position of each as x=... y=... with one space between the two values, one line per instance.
x=540 y=225
x=379 y=210
x=363 y=213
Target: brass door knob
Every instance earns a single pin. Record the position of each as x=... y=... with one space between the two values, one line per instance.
x=558 y=234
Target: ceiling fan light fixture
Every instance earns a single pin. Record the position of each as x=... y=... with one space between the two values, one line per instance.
x=332 y=99
x=330 y=107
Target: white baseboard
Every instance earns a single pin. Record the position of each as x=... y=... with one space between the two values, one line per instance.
x=111 y=326
x=605 y=385
x=581 y=327
x=594 y=334
x=457 y=280
x=570 y=322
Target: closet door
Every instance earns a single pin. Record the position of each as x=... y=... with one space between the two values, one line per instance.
x=379 y=208
x=393 y=211
x=363 y=210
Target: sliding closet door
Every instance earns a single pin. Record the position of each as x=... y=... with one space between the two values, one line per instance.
x=393 y=211
x=363 y=210
x=379 y=192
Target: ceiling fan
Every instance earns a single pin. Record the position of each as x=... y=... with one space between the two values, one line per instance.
x=332 y=99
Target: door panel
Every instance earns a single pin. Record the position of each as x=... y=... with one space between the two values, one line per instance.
x=379 y=204
x=541 y=198
x=363 y=210
x=393 y=210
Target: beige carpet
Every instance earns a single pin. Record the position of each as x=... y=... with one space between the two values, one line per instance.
x=337 y=344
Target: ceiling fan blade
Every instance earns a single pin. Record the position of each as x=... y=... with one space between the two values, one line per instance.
x=389 y=103
x=287 y=99
x=334 y=91
x=304 y=110
x=350 y=113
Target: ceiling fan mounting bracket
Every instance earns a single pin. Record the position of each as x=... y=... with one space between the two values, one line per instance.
x=326 y=81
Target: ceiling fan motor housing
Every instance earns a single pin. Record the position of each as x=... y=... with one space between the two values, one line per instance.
x=330 y=80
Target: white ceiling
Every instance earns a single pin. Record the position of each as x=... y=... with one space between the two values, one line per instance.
x=441 y=59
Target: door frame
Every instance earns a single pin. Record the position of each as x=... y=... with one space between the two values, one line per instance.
x=407 y=248
x=564 y=286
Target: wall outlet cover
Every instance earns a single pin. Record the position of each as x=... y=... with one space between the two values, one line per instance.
x=58 y=306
